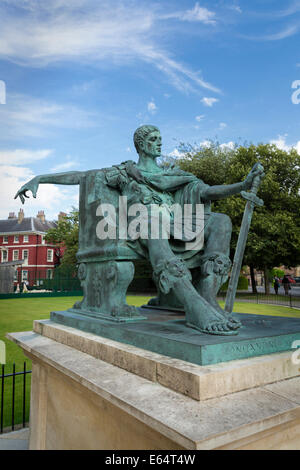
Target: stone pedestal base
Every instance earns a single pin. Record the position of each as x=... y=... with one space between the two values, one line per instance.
x=89 y=392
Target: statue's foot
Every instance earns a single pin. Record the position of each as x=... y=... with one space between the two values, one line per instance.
x=208 y=320
x=234 y=323
x=220 y=329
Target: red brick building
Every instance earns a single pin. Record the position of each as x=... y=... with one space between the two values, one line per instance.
x=22 y=238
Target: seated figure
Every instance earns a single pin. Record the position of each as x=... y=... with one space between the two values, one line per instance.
x=106 y=268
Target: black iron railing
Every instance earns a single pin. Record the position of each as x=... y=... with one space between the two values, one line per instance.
x=10 y=390
x=261 y=298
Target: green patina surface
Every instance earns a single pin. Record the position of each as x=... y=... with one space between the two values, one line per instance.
x=186 y=277
x=165 y=332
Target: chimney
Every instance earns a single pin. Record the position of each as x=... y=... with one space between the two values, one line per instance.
x=20 y=216
x=61 y=216
x=12 y=215
x=41 y=216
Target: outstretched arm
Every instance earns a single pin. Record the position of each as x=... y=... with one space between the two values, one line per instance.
x=213 y=193
x=71 y=177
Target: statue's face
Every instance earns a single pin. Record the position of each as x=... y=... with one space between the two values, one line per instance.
x=152 y=144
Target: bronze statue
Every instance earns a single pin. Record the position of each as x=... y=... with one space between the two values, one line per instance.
x=105 y=265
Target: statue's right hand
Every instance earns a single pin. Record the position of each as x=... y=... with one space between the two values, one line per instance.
x=32 y=186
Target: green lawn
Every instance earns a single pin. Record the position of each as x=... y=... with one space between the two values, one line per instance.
x=265 y=309
x=18 y=315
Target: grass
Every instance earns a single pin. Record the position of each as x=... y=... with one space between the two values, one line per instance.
x=18 y=315
x=265 y=309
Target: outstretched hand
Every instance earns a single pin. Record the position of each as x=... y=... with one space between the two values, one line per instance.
x=257 y=171
x=32 y=186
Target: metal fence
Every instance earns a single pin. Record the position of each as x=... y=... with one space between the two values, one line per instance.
x=261 y=298
x=14 y=403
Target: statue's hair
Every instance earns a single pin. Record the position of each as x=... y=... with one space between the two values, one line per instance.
x=141 y=133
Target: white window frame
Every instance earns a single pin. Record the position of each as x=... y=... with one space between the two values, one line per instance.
x=5 y=238
x=49 y=260
x=49 y=273
x=25 y=238
x=23 y=257
x=2 y=256
x=16 y=239
x=16 y=251
x=24 y=277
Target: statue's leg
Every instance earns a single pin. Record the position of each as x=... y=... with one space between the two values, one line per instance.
x=172 y=275
x=215 y=263
x=105 y=286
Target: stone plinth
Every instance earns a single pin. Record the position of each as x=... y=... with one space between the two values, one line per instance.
x=90 y=392
x=166 y=332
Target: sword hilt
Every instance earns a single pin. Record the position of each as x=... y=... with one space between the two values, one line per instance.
x=251 y=195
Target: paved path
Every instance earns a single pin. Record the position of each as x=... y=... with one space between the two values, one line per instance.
x=295 y=291
x=17 y=440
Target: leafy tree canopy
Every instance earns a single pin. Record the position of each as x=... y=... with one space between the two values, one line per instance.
x=66 y=236
x=274 y=237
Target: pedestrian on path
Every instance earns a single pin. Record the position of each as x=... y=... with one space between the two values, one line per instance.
x=276 y=284
x=286 y=284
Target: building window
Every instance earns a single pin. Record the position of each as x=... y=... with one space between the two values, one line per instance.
x=25 y=239
x=25 y=256
x=16 y=239
x=5 y=239
x=4 y=256
x=42 y=240
x=15 y=255
x=24 y=275
x=16 y=276
x=50 y=256
x=49 y=273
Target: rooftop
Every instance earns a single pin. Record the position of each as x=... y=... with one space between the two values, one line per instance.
x=15 y=224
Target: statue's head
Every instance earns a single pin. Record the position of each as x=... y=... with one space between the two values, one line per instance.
x=147 y=139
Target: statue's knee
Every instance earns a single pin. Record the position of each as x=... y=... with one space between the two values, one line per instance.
x=222 y=222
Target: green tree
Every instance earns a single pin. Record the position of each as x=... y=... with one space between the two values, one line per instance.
x=274 y=237
x=66 y=235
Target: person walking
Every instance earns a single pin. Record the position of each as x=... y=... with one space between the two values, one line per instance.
x=286 y=284
x=276 y=284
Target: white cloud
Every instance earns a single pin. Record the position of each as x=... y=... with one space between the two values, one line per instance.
x=206 y=143
x=151 y=106
x=37 y=33
x=199 y=14
x=277 y=36
x=176 y=154
x=50 y=198
x=27 y=116
x=281 y=143
x=196 y=14
x=209 y=101
x=22 y=156
x=67 y=165
x=229 y=145
x=222 y=125
x=200 y=117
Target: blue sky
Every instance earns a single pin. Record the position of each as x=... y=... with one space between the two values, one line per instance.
x=81 y=76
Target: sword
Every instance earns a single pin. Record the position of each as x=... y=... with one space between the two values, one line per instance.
x=252 y=201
